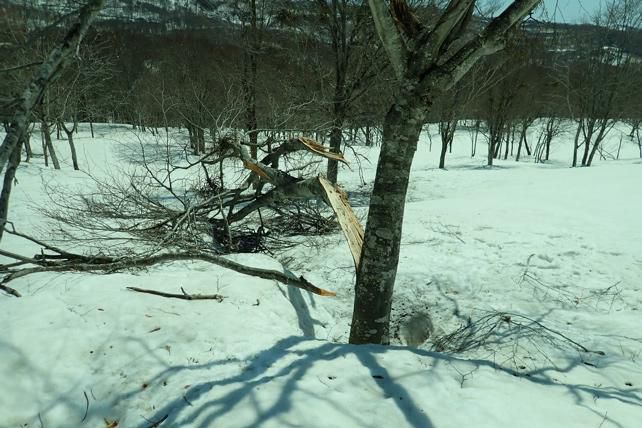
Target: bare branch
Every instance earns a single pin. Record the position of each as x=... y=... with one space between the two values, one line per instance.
x=110 y=265
x=390 y=36
x=20 y=67
x=184 y=295
x=491 y=40
x=456 y=15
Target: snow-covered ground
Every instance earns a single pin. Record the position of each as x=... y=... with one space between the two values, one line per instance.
x=538 y=260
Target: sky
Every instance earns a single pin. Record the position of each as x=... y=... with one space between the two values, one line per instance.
x=571 y=11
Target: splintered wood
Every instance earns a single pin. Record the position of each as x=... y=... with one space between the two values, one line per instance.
x=320 y=150
x=332 y=194
x=254 y=167
x=350 y=225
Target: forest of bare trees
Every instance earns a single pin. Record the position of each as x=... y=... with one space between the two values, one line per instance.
x=269 y=79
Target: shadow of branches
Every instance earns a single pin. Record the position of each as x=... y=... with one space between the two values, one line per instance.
x=289 y=361
x=182 y=410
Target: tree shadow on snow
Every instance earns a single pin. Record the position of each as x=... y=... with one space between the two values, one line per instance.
x=197 y=408
x=306 y=322
x=208 y=402
x=37 y=385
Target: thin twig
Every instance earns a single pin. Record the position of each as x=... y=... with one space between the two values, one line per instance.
x=158 y=422
x=184 y=295
x=86 y=407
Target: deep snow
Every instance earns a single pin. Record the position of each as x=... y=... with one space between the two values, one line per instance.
x=558 y=245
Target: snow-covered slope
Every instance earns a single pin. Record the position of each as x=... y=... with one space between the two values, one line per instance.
x=544 y=258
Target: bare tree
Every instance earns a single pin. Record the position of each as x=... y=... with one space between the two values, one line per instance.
x=32 y=95
x=356 y=62
x=597 y=82
x=426 y=61
x=251 y=45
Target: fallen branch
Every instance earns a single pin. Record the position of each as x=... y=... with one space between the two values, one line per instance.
x=79 y=263
x=184 y=295
x=10 y=290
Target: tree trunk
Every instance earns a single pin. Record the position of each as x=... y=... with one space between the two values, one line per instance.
x=442 y=154
x=588 y=136
x=587 y=148
x=522 y=138
x=249 y=78
x=519 y=148
x=576 y=143
x=509 y=141
x=368 y=136
x=447 y=133
x=528 y=149
x=380 y=253
x=45 y=151
x=335 y=146
x=7 y=185
x=27 y=144
x=473 y=144
x=72 y=146
x=419 y=73
x=200 y=140
x=598 y=140
x=46 y=132
x=193 y=144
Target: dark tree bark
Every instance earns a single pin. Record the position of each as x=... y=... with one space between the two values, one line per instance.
x=380 y=254
x=7 y=185
x=336 y=137
x=447 y=132
x=368 y=134
x=473 y=143
x=49 y=148
x=576 y=142
x=528 y=149
x=27 y=143
x=588 y=131
x=523 y=135
x=509 y=141
x=72 y=147
x=250 y=67
x=45 y=149
x=602 y=131
x=519 y=148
